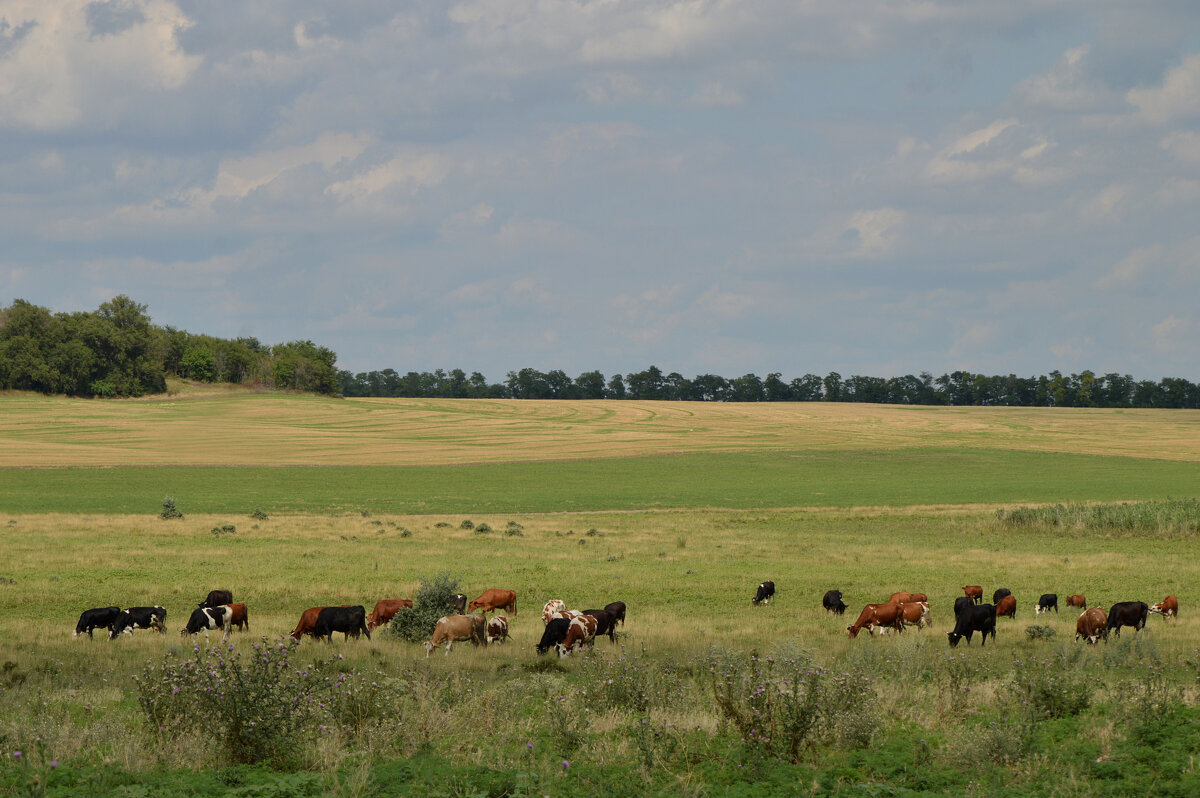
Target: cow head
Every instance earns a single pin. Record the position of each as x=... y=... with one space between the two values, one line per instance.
x=954 y=637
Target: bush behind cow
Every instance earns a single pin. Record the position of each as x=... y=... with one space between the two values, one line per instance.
x=430 y=603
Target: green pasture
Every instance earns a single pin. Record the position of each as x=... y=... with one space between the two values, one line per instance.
x=736 y=480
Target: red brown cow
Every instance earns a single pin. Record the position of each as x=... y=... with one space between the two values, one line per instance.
x=385 y=610
x=1091 y=625
x=581 y=631
x=915 y=613
x=973 y=592
x=1167 y=608
x=1007 y=606
x=238 y=617
x=1077 y=601
x=905 y=598
x=495 y=599
x=883 y=615
x=308 y=622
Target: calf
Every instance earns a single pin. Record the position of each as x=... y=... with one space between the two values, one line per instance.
x=495 y=599
x=1077 y=600
x=915 y=613
x=1048 y=601
x=766 y=592
x=832 y=602
x=552 y=609
x=1127 y=613
x=1007 y=606
x=216 y=598
x=239 y=617
x=580 y=632
x=1000 y=593
x=385 y=610
x=497 y=629
x=139 y=618
x=100 y=616
x=605 y=623
x=1091 y=625
x=617 y=608
x=452 y=629
x=1167 y=608
x=973 y=592
x=980 y=618
x=205 y=618
x=350 y=621
x=881 y=615
x=554 y=633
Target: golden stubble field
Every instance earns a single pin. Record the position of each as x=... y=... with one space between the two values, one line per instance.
x=213 y=426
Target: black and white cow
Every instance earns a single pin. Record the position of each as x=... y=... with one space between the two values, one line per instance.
x=554 y=633
x=95 y=618
x=139 y=618
x=205 y=618
x=1048 y=601
x=766 y=592
x=976 y=618
x=216 y=598
x=832 y=602
x=350 y=621
x=1127 y=613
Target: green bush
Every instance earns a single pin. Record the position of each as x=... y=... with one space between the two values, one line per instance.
x=168 y=508
x=431 y=602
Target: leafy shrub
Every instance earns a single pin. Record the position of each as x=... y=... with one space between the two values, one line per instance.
x=1038 y=632
x=1047 y=689
x=405 y=532
x=223 y=529
x=998 y=742
x=259 y=514
x=442 y=525
x=431 y=602
x=483 y=529
x=168 y=509
x=467 y=523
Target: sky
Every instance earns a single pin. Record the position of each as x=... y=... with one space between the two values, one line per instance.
x=873 y=187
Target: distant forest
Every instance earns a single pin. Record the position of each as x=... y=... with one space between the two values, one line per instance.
x=116 y=351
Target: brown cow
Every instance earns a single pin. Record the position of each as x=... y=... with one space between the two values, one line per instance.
x=915 y=613
x=1007 y=606
x=582 y=630
x=452 y=629
x=1091 y=625
x=973 y=592
x=1167 y=608
x=308 y=621
x=238 y=617
x=906 y=598
x=385 y=610
x=495 y=599
x=882 y=615
x=1077 y=601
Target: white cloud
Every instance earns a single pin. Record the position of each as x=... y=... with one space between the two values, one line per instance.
x=1184 y=145
x=874 y=233
x=1131 y=268
x=1177 y=98
x=1174 y=334
x=1068 y=85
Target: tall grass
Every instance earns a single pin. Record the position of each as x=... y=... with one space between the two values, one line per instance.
x=1175 y=517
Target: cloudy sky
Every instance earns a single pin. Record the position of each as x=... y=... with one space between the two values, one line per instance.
x=875 y=187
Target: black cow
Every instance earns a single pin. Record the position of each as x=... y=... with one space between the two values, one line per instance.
x=976 y=618
x=555 y=633
x=832 y=602
x=1127 y=613
x=458 y=603
x=100 y=616
x=617 y=608
x=1048 y=601
x=962 y=602
x=139 y=618
x=1000 y=593
x=216 y=598
x=205 y=618
x=605 y=623
x=766 y=592
x=347 y=620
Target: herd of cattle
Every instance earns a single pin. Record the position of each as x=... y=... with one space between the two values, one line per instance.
x=971 y=616
x=566 y=630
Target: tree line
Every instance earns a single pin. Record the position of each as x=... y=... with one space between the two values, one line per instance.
x=1085 y=389
x=117 y=351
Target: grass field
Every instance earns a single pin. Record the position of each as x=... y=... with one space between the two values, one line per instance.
x=613 y=503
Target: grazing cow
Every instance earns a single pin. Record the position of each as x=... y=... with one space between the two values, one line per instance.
x=766 y=592
x=1167 y=608
x=1092 y=625
x=1077 y=601
x=497 y=629
x=205 y=618
x=906 y=598
x=980 y=618
x=974 y=592
x=832 y=602
x=552 y=609
x=100 y=616
x=554 y=633
x=1000 y=593
x=877 y=615
x=453 y=629
x=1048 y=601
x=1127 y=613
x=581 y=631
x=385 y=610
x=308 y=621
x=1007 y=606
x=458 y=603
x=605 y=623
x=350 y=621
x=495 y=599
x=960 y=603
x=239 y=617
x=915 y=613
x=216 y=598
x=139 y=618
x=617 y=608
